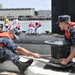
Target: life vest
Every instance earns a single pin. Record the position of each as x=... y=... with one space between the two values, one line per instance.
x=18 y=27
x=31 y=25
x=67 y=34
x=39 y=24
x=4 y=34
x=9 y=27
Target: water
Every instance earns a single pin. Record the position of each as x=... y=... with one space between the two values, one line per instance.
x=46 y=25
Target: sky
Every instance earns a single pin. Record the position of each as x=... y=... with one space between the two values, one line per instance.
x=37 y=4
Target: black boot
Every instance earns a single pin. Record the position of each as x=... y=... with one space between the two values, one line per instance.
x=22 y=66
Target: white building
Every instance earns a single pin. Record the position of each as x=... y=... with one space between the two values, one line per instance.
x=23 y=13
x=44 y=13
x=17 y=12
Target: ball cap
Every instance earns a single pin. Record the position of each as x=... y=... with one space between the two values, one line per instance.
x=63 y=18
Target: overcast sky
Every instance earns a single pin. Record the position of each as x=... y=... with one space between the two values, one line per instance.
x=37 y=4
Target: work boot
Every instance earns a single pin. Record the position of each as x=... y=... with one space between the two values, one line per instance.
x=22 y=66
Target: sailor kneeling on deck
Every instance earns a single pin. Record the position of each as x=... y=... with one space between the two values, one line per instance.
x=8 y=50
x=65 y=23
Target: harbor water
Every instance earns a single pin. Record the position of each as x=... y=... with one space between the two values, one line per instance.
x=46 y=25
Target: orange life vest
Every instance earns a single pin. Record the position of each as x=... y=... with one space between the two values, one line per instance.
x=67 y=34
x=4 y=34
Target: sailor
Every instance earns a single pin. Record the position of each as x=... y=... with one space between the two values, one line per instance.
x=37 y=27
x=9 y=50
x=6 y=22
x=17 y=29
x=31 y=28
x=15 y=22
x=16 y=26
x=65 y=23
